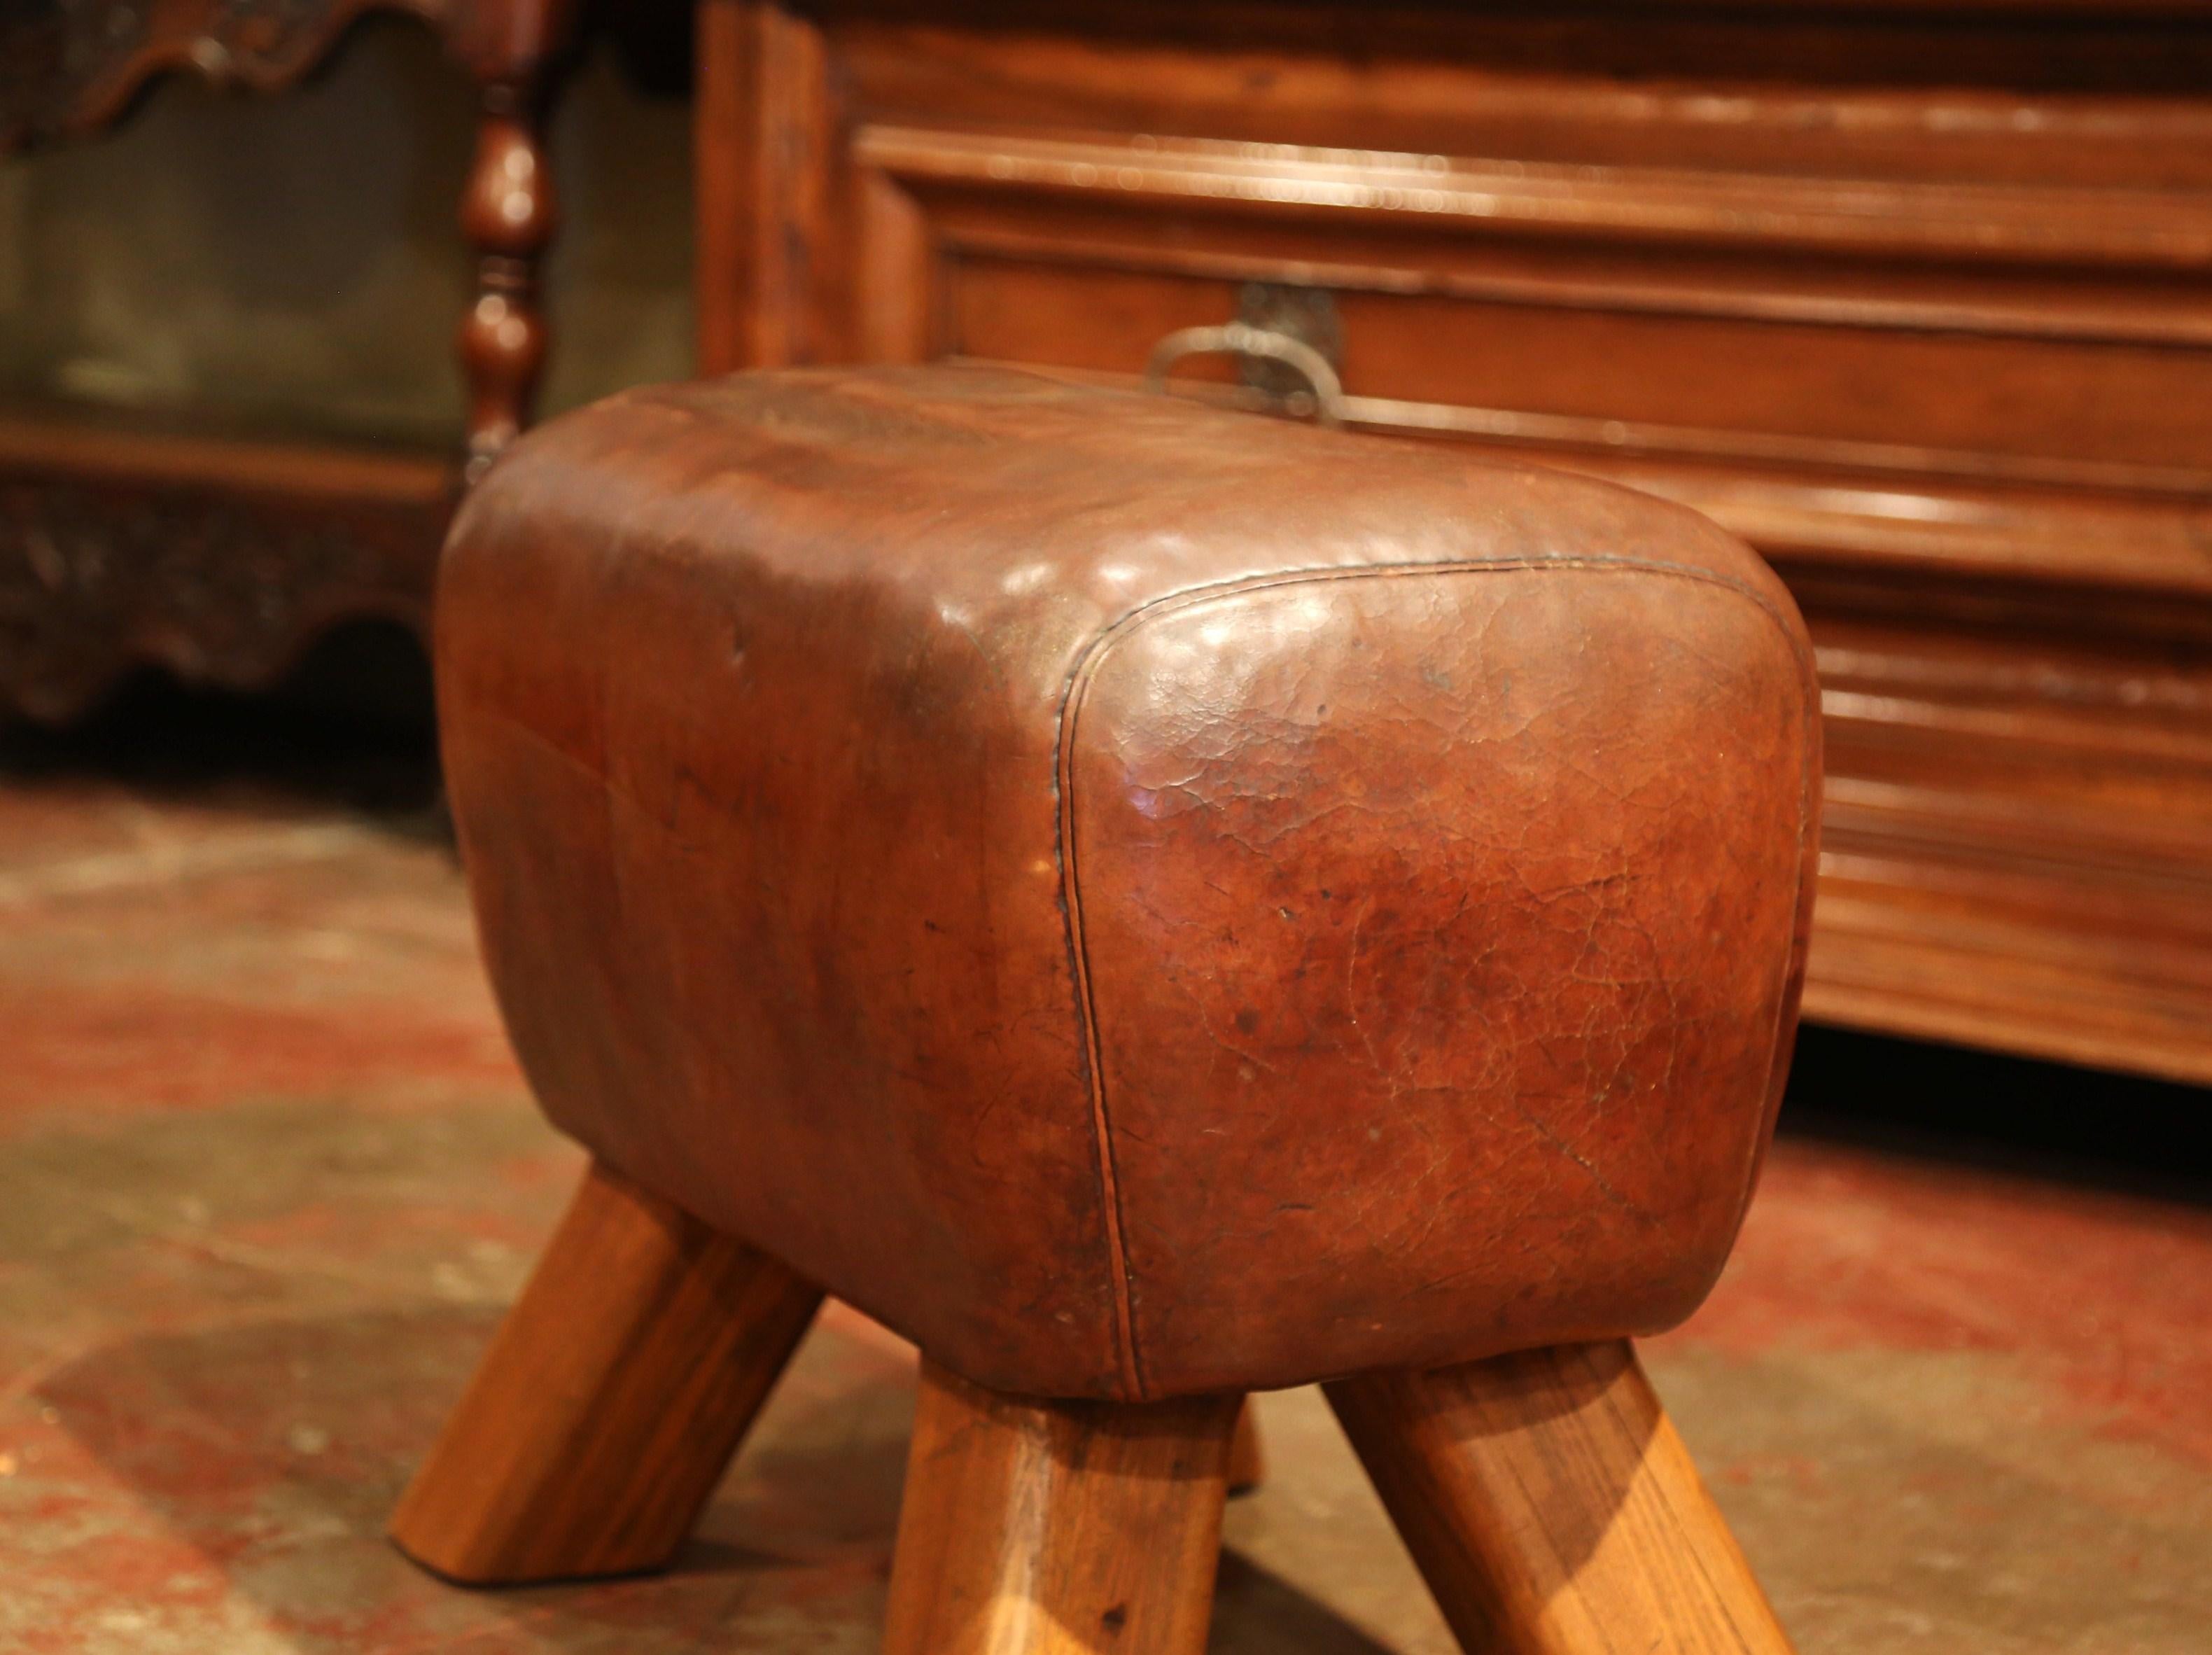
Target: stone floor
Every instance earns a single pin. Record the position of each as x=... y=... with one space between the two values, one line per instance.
x=267 y=1176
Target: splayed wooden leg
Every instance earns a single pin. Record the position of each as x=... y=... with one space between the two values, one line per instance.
x=611 y=1400
x=1036 y=1528
x=1554 y=1510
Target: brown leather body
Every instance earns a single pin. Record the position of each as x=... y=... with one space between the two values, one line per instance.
x=1141 y=900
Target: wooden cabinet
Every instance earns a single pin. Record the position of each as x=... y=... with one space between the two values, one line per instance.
x=1918 y=300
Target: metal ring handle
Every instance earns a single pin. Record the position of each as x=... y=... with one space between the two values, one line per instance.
x=1243 y=339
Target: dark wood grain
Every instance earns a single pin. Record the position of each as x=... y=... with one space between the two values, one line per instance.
x=1554 y=1510
x=613 y=1397
x=1035 y=1528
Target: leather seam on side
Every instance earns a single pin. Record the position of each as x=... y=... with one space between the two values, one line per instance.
x=1129 y=1358
x=1101 y=1136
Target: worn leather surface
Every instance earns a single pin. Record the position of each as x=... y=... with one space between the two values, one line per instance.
x=1141 y=900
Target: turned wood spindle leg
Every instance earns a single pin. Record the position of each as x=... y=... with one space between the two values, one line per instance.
x=1554 y=1510
x=508 y=216
x=1037 y=1528
x=611 y=1400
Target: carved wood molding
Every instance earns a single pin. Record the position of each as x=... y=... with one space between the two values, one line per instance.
x=2002 y=224
x=69 y=67
x=222 y=562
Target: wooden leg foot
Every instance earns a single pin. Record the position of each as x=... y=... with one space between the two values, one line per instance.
x=1554 y=1510
x=1033 y=1528
x=611 y=1400
x=1248 y=1461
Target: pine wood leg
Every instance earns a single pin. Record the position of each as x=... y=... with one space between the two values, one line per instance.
x=1248 y=1461
x=1554 y=1510
x=1033 y=1528
x=610 y=1400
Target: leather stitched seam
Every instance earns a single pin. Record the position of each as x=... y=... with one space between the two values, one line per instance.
x=1129 y=1357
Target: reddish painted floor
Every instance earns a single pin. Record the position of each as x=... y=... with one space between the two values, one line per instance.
x=267 y=1176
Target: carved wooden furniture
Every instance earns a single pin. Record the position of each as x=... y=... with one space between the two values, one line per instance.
x=1913 y=297
x=218 y=559
x=222 y=559
x=1150 y=903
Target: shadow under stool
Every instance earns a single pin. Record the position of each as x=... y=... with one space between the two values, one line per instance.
x=1152 y=905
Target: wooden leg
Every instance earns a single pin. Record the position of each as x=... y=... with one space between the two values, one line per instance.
x=1033 y=1528
x=1248 y=1461
x=508 y=212
x=610 y=1400
x=1554 y=1510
